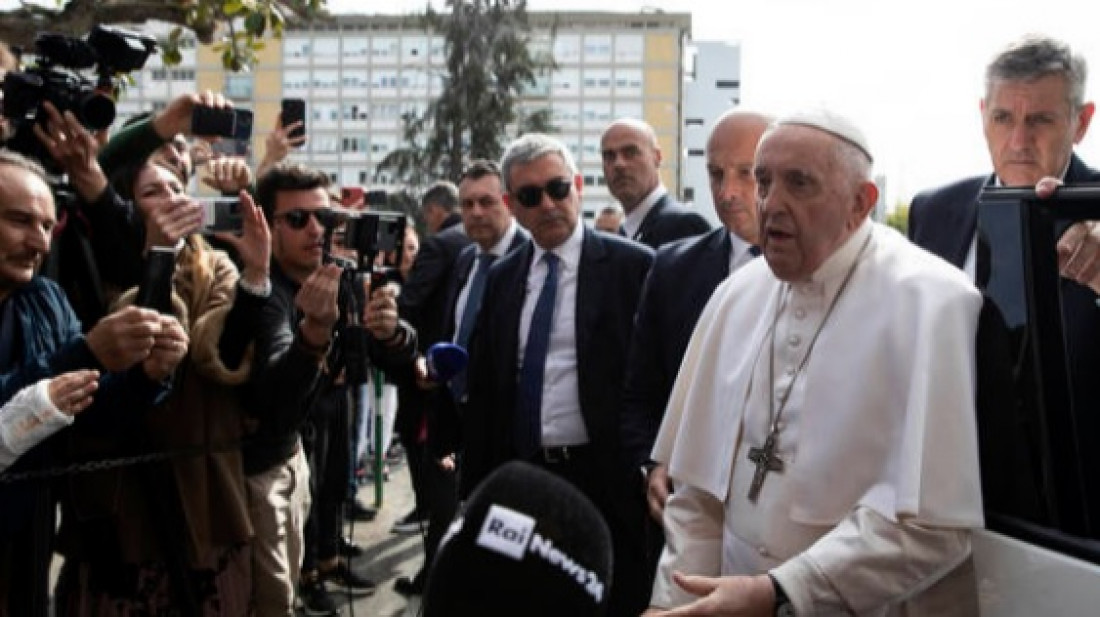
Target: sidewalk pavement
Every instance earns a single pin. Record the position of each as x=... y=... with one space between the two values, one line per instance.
x=387 y=556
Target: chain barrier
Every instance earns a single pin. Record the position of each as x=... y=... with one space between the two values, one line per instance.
x=114 y=463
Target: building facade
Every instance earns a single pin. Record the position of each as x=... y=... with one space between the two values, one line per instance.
x=359 y=74
x=712 y=86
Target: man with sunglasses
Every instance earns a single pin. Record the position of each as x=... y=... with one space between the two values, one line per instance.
x=546 y=372
x=297 y=386
x=631 y=166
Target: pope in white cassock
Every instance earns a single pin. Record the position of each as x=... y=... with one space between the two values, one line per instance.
x=821 y=433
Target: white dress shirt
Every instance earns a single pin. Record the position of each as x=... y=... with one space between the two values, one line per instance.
x=633 y=221
x=562 y=423
x=499 y=249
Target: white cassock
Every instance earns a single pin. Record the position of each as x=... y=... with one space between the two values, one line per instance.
x=873 y=512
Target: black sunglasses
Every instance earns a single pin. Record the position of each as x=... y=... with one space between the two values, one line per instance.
x=298 y=219
x=531 y=196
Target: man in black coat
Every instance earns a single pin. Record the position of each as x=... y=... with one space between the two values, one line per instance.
x=421 y=304
x=631 y=166
x=1033 y=113
x=494 y=233
x=549 y=352
x=681 y=281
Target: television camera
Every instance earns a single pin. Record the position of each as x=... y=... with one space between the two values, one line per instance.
x=56 y=77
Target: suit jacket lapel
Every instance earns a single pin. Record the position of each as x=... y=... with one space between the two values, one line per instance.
x=650 y=216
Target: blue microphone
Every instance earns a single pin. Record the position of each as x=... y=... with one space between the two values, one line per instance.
x=445 y=360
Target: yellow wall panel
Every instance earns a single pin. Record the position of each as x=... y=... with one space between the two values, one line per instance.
x=662 y=48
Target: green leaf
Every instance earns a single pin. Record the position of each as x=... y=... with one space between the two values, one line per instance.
x=256 y=24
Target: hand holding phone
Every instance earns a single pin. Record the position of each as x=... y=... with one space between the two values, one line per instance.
x=294 y=111
x=221 y=122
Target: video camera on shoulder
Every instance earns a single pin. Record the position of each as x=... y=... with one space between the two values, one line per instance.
x=56 y=77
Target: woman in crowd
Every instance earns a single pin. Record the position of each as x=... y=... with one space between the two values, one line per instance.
x=171 y=536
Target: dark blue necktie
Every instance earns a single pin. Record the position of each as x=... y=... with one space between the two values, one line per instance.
x=528 y=420
x=473 y=299
x=754 y=250
x=469 y=317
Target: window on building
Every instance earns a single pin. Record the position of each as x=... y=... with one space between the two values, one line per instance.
x=326 y=48
x=696 y=152
x=689 y=193
x=693 y=122
x=159 y=74
x=727 y=83
x=296 y=47
x=597 y=48
x=238 y=86
x=628 y=48
x=567 y=48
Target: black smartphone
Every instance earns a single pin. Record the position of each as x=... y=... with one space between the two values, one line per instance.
x=294 y=110
x=221 y=122
x=222 y=214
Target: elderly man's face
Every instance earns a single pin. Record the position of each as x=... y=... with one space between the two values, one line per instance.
x=484 y=215
x=630 y=164
x=730 y=152
x=27 y=218
x=1031 y=127
x=550 y=220
x=809 y=203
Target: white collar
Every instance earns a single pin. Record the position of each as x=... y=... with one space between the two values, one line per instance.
x=569 y=251
x=633 y=220
x=500 y=249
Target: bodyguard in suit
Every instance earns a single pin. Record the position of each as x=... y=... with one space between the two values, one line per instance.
x=682 y=279
x=1033 y=113
x=549 y=354
x=631 y=162
x=494 y=233
x=421 y=304
x=683 y=276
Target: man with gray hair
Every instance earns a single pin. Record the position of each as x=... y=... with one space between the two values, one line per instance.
x=1033 y=113
x=631 y=165
x=549 y=352
x=800 y=490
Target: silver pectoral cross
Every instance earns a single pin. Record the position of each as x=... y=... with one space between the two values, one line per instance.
x=766 y=459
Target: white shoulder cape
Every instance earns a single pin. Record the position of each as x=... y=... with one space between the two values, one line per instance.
x=889 y=422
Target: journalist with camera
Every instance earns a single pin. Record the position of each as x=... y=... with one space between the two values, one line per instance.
x=299 y=393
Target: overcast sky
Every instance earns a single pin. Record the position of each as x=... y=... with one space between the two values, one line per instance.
x=910 y=73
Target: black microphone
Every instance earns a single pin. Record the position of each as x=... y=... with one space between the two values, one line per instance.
x=526 y=543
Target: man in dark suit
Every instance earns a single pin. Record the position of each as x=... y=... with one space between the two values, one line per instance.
x=489 y=224
x=1033 y=113
x=549 y=352
x=421 y=304
x=631 y=166
x=683 y=276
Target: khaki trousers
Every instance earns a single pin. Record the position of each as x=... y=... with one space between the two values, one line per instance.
x=278 y=504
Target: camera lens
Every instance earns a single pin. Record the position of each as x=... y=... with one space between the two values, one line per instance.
x=97 y=111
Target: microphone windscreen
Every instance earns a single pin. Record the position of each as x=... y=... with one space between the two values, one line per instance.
x=445 y=360
x=526 y=543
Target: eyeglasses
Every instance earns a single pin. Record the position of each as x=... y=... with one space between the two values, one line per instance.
x=298 y=219
x=531 y=196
